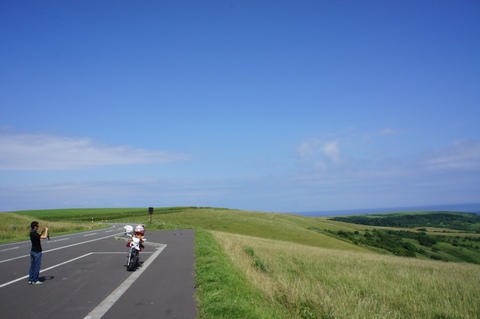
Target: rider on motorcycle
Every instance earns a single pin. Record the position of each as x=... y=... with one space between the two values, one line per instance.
x=139 y=232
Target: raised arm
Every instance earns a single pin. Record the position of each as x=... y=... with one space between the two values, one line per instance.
x=44 y=233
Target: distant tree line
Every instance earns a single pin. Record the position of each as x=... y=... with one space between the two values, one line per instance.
x=469 y=222
x=411 y=244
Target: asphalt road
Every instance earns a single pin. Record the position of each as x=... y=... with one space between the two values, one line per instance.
x=85 y=277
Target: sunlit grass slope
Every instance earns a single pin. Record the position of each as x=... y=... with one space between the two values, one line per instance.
x=283 y=227
x=307 y=274
x=317 y=282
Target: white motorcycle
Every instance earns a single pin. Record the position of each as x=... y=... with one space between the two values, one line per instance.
x=133 y=257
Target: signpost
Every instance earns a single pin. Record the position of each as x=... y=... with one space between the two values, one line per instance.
x=150 y=212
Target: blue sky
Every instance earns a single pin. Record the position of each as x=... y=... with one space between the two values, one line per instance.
x=285 y=106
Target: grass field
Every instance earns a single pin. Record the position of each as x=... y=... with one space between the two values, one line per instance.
x=267 y=265
x=16 y=227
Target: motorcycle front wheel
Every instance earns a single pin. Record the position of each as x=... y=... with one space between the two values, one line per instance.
x=132 y=261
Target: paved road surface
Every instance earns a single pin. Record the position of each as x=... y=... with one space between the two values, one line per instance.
x=85 y=277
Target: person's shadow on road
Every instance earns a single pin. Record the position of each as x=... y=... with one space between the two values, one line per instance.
x=45 y=278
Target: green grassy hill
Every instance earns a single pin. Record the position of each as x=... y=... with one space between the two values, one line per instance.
x=269 y=265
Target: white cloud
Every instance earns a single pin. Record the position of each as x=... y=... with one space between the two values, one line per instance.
x=386 y=131
x=331 y=151
x=462 y=155
x=307 y=149
x=50 y=152
x=318 y=153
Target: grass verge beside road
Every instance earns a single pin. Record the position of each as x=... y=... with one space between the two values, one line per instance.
x=222 y=289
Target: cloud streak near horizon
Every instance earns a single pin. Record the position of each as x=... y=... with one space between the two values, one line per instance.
x=327 y=180
x=51 y=152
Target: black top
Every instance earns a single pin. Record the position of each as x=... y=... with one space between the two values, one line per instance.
x=35 y=239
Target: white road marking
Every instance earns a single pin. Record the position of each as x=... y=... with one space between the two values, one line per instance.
x=73 y=259
x=89 y=235
x=10 y=248
x=53 y=249
x=108 y=302
x=57 y=240
x=60 y=264
x=118 y=252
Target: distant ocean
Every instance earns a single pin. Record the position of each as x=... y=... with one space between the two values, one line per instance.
x=465 y=208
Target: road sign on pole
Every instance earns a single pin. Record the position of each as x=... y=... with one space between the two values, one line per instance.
x=150 y=212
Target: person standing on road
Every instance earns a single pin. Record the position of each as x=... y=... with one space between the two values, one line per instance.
x=36 y=253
